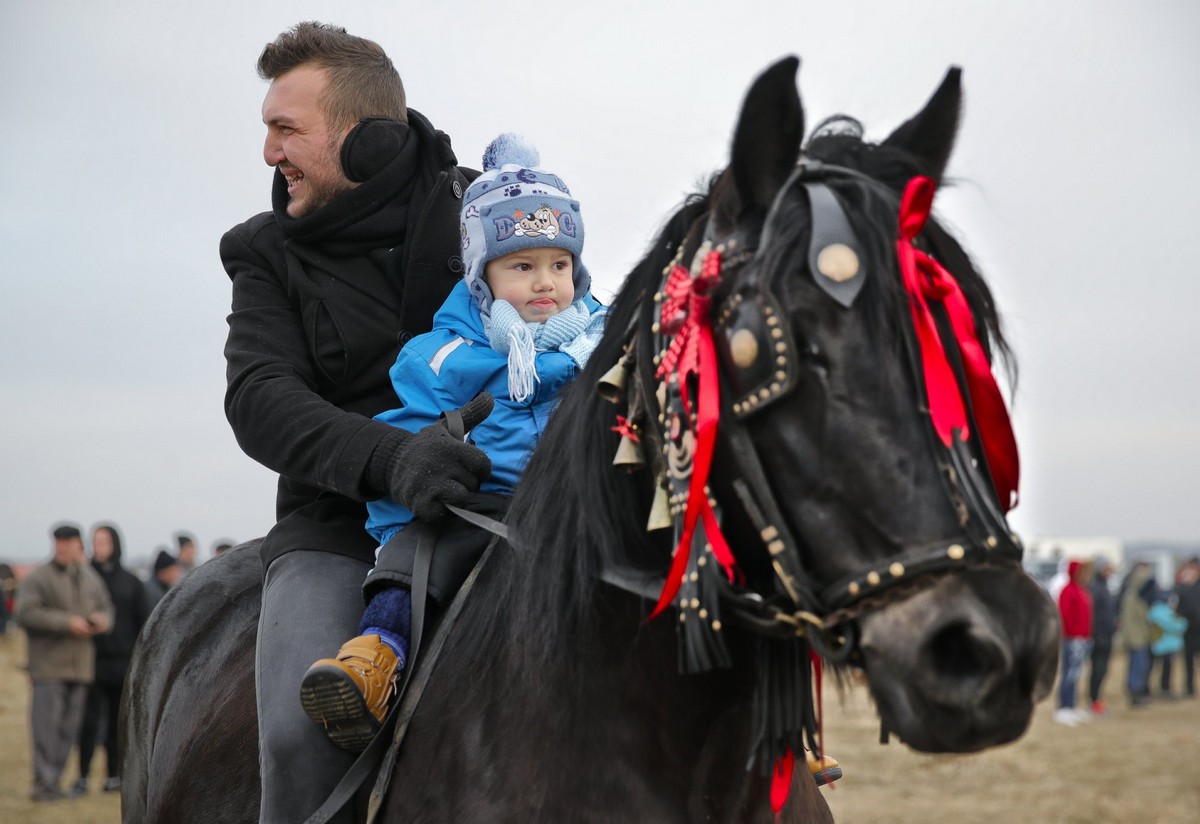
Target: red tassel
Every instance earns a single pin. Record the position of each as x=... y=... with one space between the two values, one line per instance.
x=685 y=313
x=781 y=780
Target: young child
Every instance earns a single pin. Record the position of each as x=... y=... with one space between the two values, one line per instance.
x=520 y=325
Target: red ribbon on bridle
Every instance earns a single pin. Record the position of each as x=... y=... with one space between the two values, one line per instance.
x=686 y=316
x=926 y=280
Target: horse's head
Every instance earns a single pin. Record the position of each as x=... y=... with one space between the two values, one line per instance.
x=849 y=491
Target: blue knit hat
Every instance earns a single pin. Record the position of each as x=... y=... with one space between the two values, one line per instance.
x=515 y=205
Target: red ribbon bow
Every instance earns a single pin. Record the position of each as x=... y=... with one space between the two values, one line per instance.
x=927 y=280
x=686 y=315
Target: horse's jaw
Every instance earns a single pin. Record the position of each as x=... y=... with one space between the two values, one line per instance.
x=954 y=670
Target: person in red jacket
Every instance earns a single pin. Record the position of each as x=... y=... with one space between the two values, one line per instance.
x=1075 y=610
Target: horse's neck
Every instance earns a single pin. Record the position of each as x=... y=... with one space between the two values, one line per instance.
x=613 y=734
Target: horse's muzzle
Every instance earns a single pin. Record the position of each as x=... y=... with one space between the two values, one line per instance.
x=959 y=666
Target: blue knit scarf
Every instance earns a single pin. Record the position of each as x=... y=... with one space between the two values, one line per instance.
x=573 y=331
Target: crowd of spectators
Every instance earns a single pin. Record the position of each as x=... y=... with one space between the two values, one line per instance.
x=1154 y=626
x=82 y=615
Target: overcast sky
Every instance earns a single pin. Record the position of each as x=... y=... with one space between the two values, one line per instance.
x=131 y=139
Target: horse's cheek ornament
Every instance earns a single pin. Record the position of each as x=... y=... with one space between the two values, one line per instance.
x=686 y=317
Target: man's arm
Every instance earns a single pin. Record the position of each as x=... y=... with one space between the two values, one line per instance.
x=271 y=401
x=36 y=613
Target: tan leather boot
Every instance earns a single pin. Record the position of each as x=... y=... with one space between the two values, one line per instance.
x=349 y=694
x=824 y=770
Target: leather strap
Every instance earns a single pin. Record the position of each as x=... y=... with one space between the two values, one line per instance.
x=407 y=705
x=480 y=520
x=454 y=424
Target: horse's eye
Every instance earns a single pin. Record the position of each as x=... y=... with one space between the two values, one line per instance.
x=811 y=355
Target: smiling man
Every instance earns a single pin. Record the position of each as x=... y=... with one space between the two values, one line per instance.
x=359 y=250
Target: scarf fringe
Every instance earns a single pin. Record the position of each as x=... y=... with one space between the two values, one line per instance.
x=522 y=363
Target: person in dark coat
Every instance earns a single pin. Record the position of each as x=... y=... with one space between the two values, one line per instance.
x=113 y=652
x=1187 y=592
x=359 y=250
x=164 y=575
x=1104 y=625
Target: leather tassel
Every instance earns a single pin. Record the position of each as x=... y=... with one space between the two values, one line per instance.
x=782 y=709
x=701 y=635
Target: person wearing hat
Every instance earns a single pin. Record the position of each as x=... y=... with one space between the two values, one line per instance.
x=62 y=605
x=519 y=327
x=167 y=573
x=1104 y=626
x=114 y=651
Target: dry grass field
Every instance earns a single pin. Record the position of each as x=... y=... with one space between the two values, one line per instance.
x=1132 y=767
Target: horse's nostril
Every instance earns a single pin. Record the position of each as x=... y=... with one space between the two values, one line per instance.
x=957 y=652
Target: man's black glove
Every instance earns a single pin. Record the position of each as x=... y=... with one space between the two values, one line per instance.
x=427 y=469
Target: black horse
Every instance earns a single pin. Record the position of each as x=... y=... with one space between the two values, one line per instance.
x=849 y=525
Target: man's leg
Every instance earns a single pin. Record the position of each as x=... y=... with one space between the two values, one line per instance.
x=1189 y=668
x=87 y=733
x=1164 y=673
x=112 y=697
x=311 y=604
x=74 y=703
x=45 y=710
x=1100 y=656
x=1139 y=674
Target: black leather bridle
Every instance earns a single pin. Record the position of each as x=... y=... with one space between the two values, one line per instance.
x=759 y=367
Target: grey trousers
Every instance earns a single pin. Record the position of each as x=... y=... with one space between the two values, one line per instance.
x=56 y=713
x=311 y=605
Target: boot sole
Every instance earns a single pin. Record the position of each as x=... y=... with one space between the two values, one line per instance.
x=828 y=776
x=330 y=698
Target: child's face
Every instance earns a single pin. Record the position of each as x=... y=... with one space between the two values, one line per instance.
x=537 y=282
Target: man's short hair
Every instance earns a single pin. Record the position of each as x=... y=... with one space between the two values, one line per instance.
x=65 y=532
x=362 y=82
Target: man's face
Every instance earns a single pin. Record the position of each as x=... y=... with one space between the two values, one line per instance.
x=102 y=546
x=68 y=551
x=299 y=142
x=171 y=575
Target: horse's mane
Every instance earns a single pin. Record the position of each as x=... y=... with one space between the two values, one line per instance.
x=572 y=513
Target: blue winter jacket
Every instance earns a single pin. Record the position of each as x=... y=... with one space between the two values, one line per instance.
x=447 y=367
x=1172 y=626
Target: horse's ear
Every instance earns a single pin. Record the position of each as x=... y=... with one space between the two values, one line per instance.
x=766 y=143
x=929 y=134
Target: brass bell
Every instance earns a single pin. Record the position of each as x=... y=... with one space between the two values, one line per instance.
x=629 y=454
x=612 y=385
x=660 y=511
